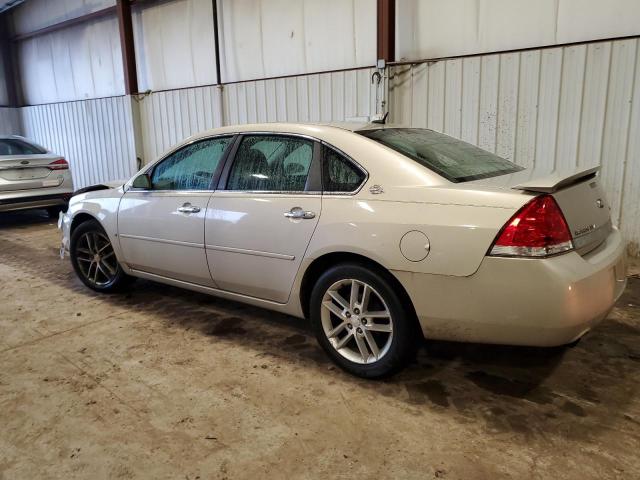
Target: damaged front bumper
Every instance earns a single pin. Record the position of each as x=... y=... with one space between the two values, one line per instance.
x=64 y=224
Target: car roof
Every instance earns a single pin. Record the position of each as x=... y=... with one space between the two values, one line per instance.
x=308 y=128
x=4 y=137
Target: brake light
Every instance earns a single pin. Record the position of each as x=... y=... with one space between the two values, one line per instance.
x=60 y=164
x=538 y=229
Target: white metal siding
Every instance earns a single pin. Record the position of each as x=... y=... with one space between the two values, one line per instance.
x=324 y=97
x=443 y=28
x=174 y=44
x=36 y=14
x=557 y=107
x=169 y=117
x=95 y=136
x=10 y=121
x=79 y=62
x=269 y=38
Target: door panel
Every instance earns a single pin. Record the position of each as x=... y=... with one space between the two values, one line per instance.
x=252 y=247
x=161 y=230
x=156 y=237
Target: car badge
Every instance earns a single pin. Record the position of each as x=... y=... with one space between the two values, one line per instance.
x=24 y=162
x=376 y=189
x=599 y=203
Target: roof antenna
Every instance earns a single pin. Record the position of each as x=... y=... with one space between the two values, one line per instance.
x=380 y=119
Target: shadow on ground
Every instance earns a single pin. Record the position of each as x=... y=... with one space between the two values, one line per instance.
x=511 y=389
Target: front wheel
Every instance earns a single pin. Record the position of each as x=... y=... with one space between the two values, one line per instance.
x=361 y=322
x=94 y=259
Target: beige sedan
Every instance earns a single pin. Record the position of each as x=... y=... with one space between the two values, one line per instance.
x=379 y=235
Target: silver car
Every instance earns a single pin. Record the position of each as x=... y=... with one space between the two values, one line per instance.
x=379 y=235
x=32 y=177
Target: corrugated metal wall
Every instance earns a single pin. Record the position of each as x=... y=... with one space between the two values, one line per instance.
x=271 y=38
x=557 y=107
x=168 y=117
x=444 y=28
x=95 y=136
x=10 y=121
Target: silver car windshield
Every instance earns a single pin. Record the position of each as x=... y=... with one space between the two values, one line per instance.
x=455 y=160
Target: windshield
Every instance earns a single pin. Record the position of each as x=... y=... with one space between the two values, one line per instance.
x=455 y=160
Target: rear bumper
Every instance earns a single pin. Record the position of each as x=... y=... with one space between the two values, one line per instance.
x=536 y=302
x=37 y=201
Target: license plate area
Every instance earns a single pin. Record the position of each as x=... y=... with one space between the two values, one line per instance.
x=18 y=174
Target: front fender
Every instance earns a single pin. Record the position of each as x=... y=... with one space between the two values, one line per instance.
x=100 y=205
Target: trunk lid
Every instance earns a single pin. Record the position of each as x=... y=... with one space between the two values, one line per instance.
x=578 y=193
x=26 y=172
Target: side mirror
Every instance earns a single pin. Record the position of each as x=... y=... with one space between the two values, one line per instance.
x=142 y=181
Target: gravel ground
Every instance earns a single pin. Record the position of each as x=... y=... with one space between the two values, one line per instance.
x=165 y=383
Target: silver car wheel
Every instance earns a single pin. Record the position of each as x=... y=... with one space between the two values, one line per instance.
x=360 y=328
x=96 y=258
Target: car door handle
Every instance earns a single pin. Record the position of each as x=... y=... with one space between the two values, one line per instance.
x=188 y=208
x=297 y=212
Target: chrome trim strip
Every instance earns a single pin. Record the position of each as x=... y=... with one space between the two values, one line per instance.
x=258 y=253
x=190 y=193
x=25 y=167
x=266 y=192
x=162 y=240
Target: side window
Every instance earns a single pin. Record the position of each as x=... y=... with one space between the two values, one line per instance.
x=190 y=168
x=340 y=174
x=271 y=163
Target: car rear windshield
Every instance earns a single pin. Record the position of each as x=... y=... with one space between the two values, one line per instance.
x=14 y=146
x=455 y=160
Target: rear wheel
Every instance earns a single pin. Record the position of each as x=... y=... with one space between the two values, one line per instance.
x=361 y=322
x=94 y=259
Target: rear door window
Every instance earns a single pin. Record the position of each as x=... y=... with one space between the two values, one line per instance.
x=271 y=163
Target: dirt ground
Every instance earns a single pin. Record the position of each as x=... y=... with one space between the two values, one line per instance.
x=166 y=383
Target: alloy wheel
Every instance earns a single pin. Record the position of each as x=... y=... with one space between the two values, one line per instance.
x=357 y=321
x=96 y=258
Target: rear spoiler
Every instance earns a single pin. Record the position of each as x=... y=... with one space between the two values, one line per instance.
x=555 y=181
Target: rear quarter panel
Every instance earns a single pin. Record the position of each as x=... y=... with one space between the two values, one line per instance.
x=459 y=235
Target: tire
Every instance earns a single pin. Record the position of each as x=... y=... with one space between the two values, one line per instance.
x=342 y=330
x=54 y=212
x=104 y=275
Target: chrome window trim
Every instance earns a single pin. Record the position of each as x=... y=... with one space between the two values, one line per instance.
x=190 y=193
x=322 y=142
x=270 y=192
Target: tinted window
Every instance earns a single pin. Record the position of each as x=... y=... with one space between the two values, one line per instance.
x=454 y=159
x=190 y=168
x=271 y=163
x=12 y=146
x=340 y=174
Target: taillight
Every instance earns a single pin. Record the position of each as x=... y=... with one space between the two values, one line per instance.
x=538 y=229
x=60 y=164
